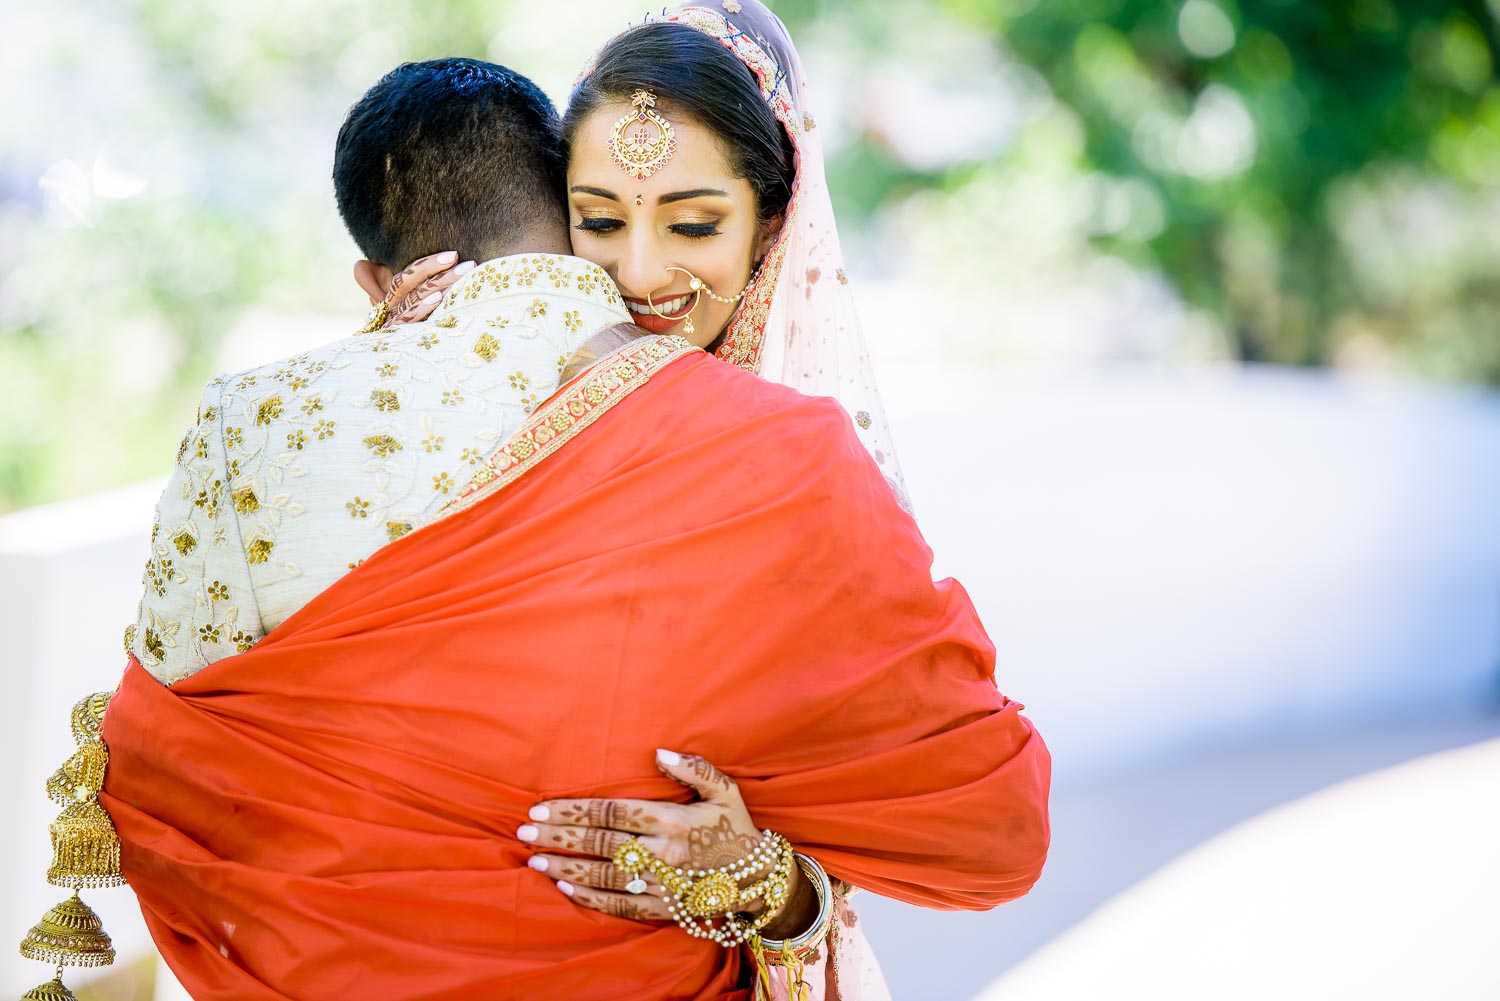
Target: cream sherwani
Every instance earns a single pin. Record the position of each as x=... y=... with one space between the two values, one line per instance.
x=298 y=470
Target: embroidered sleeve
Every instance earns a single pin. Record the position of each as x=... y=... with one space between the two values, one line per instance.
x=198 y=605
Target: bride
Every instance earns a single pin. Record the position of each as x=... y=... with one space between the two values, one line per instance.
x=696 y=181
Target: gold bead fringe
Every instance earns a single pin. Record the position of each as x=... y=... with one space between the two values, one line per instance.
x=85 y=854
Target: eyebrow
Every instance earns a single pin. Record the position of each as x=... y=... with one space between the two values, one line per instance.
x=667 y=199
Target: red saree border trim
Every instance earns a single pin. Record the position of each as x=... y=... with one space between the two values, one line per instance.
x=572 y=409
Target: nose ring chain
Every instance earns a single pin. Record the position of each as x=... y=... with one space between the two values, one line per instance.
x=700 y=288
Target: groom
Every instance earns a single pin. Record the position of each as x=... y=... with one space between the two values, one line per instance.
x=300 y=469
x=403 y=590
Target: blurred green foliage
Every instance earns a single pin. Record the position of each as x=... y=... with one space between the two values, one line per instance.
x=1319 y=177
x=1318 y=181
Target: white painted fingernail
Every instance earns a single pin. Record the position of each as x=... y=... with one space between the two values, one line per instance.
x=527 y=833
x=538 y=863
x=565 y=887
x=433 y=300
x=668 y=758
x=465 y=267
x=445 y=257
x=539 y=813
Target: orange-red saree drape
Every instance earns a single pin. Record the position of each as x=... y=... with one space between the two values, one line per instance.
x=715 y=566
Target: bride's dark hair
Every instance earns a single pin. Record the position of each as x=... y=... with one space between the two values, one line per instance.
x=692 y=74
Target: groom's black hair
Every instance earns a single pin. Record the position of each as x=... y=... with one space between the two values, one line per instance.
x=448 y=154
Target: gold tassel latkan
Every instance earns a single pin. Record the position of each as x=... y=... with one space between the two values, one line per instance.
x=87 y=714
x=85 y=853
x=52 y=990
x=81 y=776
x=85 y=848
x=69 y=934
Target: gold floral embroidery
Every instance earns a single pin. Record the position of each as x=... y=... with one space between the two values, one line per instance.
x=487 y=347
x=383 y=445
x=269 y=409
x=248 y=509
x=154 y=645
x=245 y=501
x=159 y=574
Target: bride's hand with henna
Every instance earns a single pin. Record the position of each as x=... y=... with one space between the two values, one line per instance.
x=709 y=834
x=416 y=291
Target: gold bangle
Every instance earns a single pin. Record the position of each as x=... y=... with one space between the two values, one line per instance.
x=802 y=944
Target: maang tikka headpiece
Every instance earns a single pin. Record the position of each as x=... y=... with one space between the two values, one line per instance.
x=641 y=154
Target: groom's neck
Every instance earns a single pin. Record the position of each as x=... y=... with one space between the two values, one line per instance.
x=542 y=240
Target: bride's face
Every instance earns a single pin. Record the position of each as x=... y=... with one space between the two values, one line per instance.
x=692 y=213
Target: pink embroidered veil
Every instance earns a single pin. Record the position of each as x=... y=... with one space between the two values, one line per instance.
x=797 y=324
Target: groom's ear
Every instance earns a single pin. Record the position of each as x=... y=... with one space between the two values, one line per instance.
x=374 y=278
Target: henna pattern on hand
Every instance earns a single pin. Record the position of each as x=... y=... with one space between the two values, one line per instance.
x=717 y=845
x=707 y=774
x=627 y=907
x=601 y=841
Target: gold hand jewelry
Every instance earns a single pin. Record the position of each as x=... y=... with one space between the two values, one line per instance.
x=708 y=903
